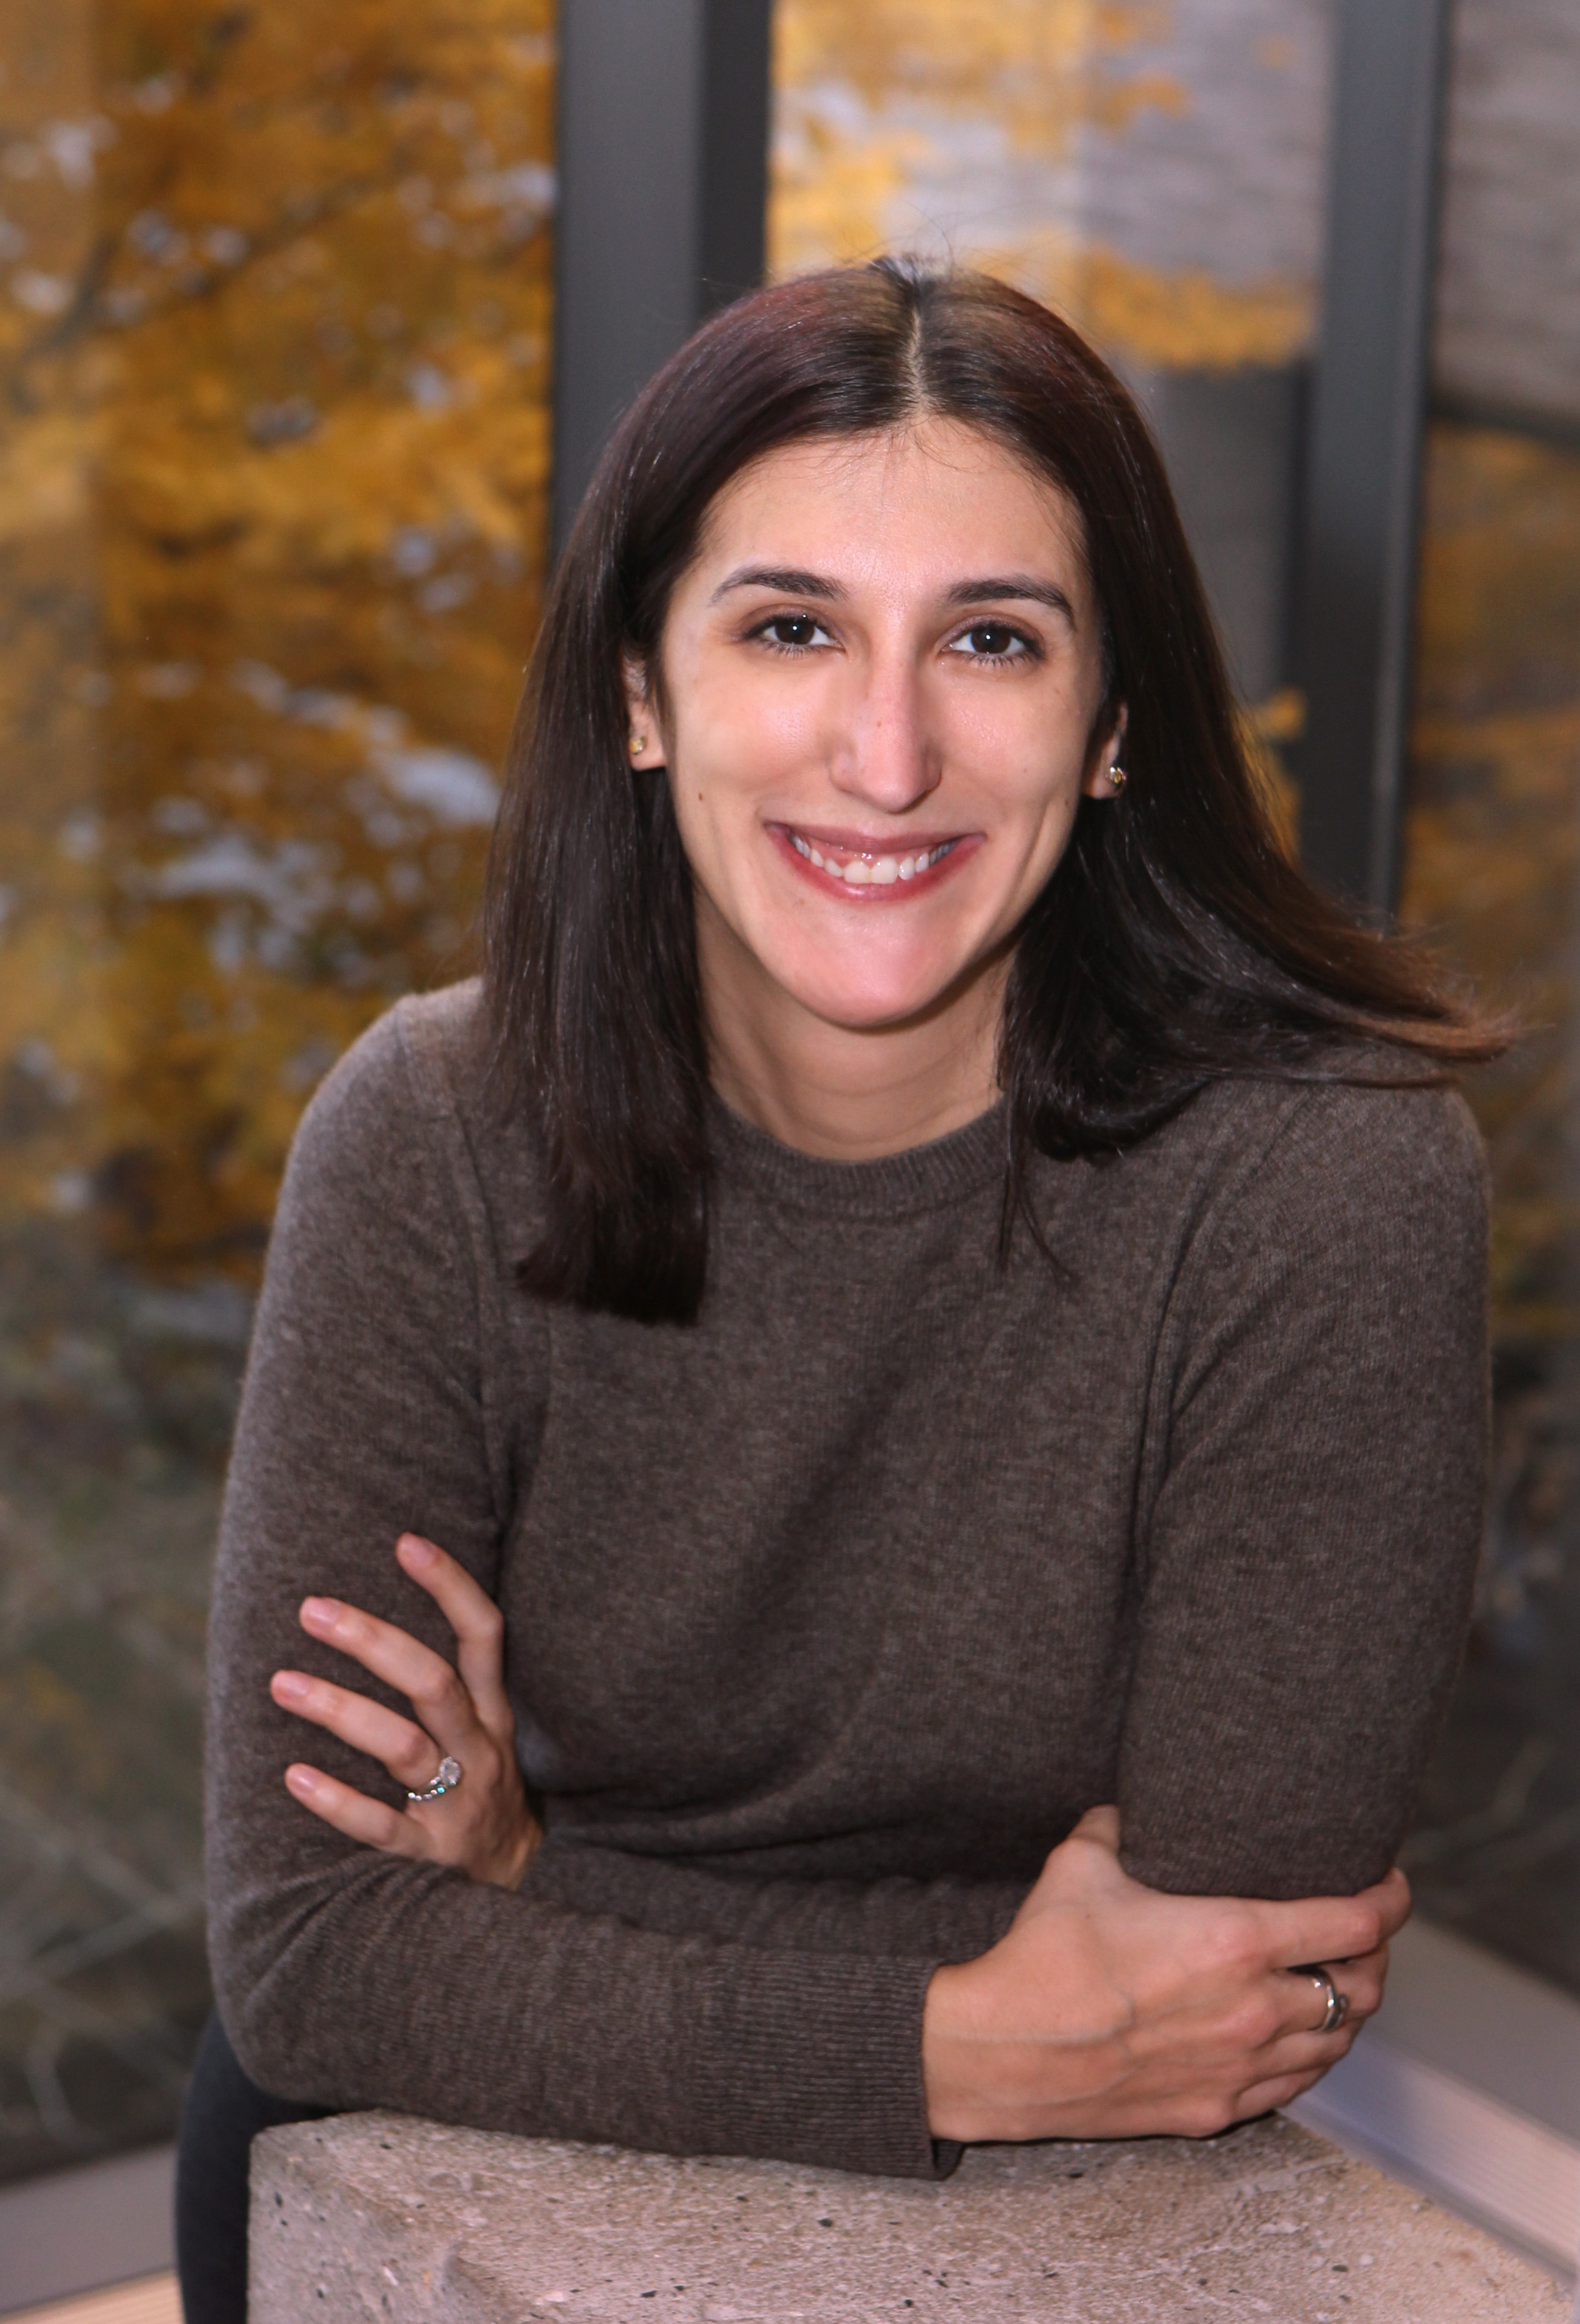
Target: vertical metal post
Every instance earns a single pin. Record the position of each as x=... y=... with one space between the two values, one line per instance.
x=736 y=71
x=1358 y=578
x=662 y=168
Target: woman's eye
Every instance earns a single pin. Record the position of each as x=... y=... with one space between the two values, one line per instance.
x=792 y=630
x=992 y=642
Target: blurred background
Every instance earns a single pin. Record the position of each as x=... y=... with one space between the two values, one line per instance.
x=311 y=319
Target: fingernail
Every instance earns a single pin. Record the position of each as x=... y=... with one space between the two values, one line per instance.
x=417 y=1551
x=321 y=1609
x=302 y=1782
x=291 y=1683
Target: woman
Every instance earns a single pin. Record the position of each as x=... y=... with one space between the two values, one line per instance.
x=933 y=1301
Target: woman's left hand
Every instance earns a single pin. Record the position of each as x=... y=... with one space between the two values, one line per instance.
x=482 y=1826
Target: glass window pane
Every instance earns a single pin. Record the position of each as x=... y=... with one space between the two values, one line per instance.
x=275 y=317
x=1157 y=174
x=1492 y=864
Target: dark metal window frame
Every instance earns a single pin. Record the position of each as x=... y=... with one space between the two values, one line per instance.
x=663 y=182
x=1357 y=585
x=663 y=135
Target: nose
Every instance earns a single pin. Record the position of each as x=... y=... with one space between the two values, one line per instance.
x=886 y=755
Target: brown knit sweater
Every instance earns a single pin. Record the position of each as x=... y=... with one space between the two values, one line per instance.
x=829 y=1615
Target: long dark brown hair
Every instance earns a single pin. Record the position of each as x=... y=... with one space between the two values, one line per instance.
x=1173 y=944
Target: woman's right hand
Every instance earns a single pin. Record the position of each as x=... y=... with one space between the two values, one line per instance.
x=484 y=1829
x=1110 y=2010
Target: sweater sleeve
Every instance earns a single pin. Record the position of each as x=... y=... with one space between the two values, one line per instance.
x=786 y=2026
x=1308 y=1557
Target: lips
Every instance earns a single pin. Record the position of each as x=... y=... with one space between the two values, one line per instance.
x=853 y=861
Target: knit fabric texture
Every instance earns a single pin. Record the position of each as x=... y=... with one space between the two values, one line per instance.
x=829 y=1614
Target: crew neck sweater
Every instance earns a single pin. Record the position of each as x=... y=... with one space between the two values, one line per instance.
x=828 y=1614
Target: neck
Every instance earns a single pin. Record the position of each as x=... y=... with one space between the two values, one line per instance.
x=853 y=1094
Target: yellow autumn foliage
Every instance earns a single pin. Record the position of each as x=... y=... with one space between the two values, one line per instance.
x=272 y=477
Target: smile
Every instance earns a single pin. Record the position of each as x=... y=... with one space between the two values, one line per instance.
x=855 y=866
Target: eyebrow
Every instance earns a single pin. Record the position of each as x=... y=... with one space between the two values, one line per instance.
x=793 y=581
x=995 y=586
x=790 y=580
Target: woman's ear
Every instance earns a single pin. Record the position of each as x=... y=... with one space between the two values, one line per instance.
x=644 y=745
x=1106 y=772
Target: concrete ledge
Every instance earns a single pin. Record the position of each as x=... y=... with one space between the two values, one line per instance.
x=376 y=2214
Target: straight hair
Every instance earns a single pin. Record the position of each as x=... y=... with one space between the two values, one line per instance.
x=1173 y=945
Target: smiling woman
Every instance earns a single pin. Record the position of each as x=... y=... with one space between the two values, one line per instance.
x=789 y=548
x=883 y=674
x=934 y=1302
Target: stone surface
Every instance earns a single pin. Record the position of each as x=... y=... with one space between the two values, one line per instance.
x=378 y=2215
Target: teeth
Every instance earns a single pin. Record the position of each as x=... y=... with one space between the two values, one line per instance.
x=872 y=871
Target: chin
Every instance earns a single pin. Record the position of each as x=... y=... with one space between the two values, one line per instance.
x=862 y=1001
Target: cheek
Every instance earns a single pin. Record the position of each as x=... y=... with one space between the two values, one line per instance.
x=717 y=764
x=744 y=725
x=738 y=751
x=704 y=755
x=1025 y=759
x=1033 y=723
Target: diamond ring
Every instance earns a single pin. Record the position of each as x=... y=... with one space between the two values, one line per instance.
x=447 y=1777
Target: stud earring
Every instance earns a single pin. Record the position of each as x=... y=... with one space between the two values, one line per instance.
x=637 y=745
x=1117 y=776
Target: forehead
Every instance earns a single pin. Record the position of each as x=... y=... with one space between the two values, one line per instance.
x=937 y=497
